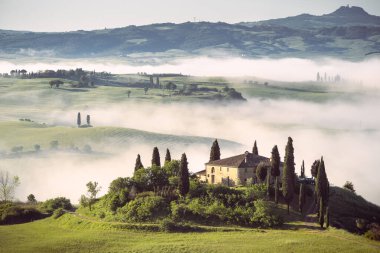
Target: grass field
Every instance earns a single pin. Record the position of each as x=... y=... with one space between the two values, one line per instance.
x=70 y=233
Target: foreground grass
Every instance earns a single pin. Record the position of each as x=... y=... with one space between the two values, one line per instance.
x=72 y=234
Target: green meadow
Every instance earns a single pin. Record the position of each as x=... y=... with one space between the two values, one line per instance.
x=70 y=233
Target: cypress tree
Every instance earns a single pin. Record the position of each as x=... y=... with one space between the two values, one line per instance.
x=314 y=168
x=275 y=170
x=79 y=120
x=322 y=184
x=254 y=149
x=156 y=157
x=183 y=183
x=288 y=173
x=303 y=169
x=321 y=212
x=215 y=151
x=327 y=217
x=301 y=197
x=168 y=157
x=138 y=164
x=88 y=120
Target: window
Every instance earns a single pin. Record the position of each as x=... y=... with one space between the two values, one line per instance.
x=228 y=169
x=212 y=170
x=220 y=169
x=208 y=175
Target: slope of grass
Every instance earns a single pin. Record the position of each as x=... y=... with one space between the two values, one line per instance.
x=346 y=207
x=73 y=234
x=28 y=134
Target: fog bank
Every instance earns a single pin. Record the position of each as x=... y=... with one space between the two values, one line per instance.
x=286 y=69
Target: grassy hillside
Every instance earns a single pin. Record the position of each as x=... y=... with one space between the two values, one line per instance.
x=27 y=134
x=346 y=207
x=73 y=234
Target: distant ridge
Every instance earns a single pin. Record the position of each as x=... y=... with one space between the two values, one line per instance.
x=347 y=33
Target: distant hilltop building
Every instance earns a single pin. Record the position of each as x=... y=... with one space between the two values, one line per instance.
x=233 y=171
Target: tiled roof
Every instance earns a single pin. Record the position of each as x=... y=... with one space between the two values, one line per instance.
x=240 y=161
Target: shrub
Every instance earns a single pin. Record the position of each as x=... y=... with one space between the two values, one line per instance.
x=145 y=208
x=255 y=192
x=11 y=214
x=374 y=232
x=52 y=204
x=58 y=213
x=167 y=225
x=262 y=215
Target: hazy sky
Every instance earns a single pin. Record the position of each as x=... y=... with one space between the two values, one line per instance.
x=53 y=15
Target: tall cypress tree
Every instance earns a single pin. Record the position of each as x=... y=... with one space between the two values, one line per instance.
x=254 y=149
x=88 y=119
x=327 y=217
x=183 y=183
x=275 y=170
x=156 y=157
x=322 y=190
x=79 y=120
x=168 y=157
x=215 y=151
x=301 y=197
x=288 y=173
x=303 y=169
x=321 y=212
x=138 y=164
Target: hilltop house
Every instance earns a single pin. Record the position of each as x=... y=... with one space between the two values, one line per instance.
x=232 y=171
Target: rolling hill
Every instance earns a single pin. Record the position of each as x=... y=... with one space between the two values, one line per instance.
x=348 y=33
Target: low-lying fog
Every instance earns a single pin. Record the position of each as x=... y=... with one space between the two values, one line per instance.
x=346 y=133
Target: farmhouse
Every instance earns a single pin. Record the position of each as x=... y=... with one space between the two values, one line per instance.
x=232 y=171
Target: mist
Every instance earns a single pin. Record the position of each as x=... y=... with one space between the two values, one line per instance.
x=285 y=69
x=347 y=136
x=345 y=132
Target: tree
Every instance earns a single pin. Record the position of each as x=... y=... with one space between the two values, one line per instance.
x=301 y=197
x=349 y=186
x=92 y=191
x=37 y=147
x=156 y=157
x=322 y=190
x=138 y=164
x=167 y=156
x=275 y=170
x=54 y=145
x=314 y=168
x=303 y=169
x=321 y=213
x=31 y=199
x=254 y=149
x=262 y=171
x=215 y=151
x=146 y=88
x=327 y=217
x=288 y=173
x=79 y=119
x=8 y=185
x=184 y=182
x=88 y=119
x=129 y=93
x=157 y=81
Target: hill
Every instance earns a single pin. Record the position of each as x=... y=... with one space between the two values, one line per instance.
x=347 y=33
x=28 y=134
x=71 y=233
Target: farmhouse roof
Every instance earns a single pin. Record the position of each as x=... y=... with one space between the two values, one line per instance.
x=244 y=160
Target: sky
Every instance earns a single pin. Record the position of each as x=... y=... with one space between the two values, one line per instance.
x=70 y=15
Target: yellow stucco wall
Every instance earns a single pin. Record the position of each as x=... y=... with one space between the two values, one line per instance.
x=233 y=175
